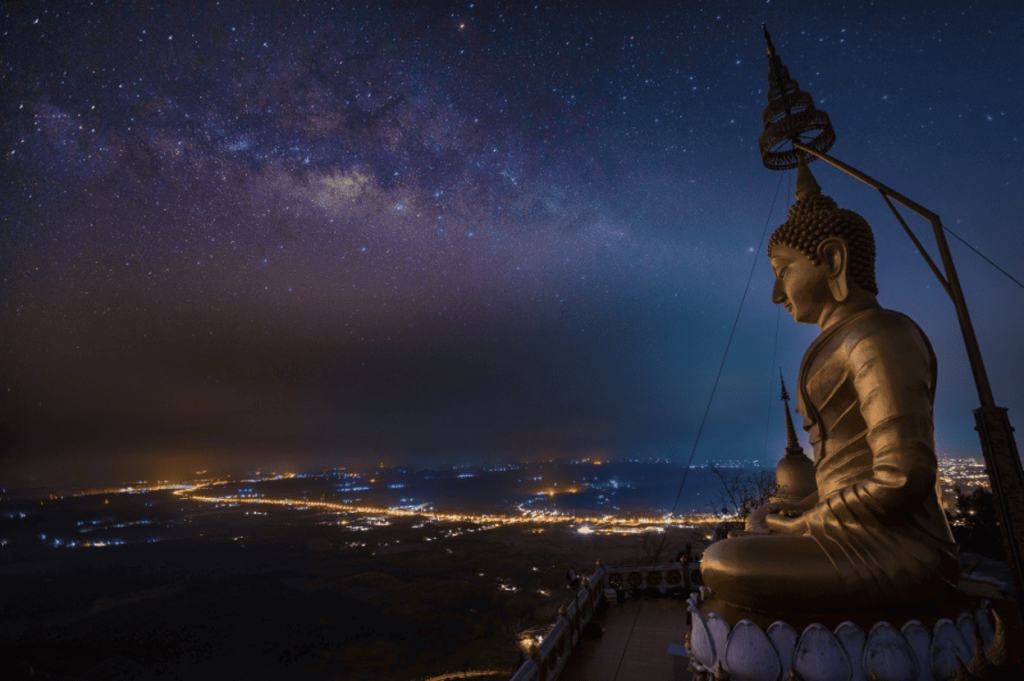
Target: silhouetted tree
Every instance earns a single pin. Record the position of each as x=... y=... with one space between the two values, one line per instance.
x=651 y=549
x=745 y=489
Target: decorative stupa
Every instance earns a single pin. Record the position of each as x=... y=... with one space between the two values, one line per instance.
x=794 y=474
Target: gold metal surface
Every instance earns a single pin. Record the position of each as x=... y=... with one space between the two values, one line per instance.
x=794 y=474
x=874 y=534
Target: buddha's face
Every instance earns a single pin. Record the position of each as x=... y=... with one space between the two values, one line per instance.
x=800 y=285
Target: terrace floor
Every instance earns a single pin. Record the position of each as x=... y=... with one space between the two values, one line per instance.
x=635 y=644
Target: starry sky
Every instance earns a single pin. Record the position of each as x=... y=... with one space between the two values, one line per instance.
x=427 y=232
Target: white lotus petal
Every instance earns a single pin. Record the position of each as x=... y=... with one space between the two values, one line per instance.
x=887 y=656
x=700 y=643
x=947 y=646
x=820 y=657
x=919 y=638
x=749 y=655
x=783 y=638
x=983 y=621
x=967 y=628
x=718 y=632
x=851 y=638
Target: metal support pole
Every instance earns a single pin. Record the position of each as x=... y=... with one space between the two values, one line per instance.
x=998 y=446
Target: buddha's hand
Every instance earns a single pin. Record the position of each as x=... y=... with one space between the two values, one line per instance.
x=756 y=521
x=736 y=534
x=786 y=509
x=787 y=519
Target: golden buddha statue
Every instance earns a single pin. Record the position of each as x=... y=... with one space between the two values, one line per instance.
x=873 y=535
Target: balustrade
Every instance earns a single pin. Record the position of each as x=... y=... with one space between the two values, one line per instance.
x=549 y=657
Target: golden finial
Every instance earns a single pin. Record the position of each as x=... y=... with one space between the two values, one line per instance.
x=806 y=185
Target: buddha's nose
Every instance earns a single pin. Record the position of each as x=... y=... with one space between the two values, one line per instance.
x=778 y=297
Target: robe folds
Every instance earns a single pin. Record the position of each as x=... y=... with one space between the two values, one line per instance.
x=877 y=536
x=867 y=388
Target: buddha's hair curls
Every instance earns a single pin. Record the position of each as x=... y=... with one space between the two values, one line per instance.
x=814 y=218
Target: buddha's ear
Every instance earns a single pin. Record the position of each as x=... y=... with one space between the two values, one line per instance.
x=835 y=255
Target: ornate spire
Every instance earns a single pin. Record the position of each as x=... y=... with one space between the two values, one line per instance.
x=793 y=447
x=789 y=117
x=794 y=474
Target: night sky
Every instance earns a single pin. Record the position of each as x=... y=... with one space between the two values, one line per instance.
x=431 y=232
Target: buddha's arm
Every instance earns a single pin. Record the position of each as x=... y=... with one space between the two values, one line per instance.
x=766 y=517
x=788 y=518
x=793 y=509
x=808 y=502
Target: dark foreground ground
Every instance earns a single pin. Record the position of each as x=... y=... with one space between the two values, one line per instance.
x=290 y=594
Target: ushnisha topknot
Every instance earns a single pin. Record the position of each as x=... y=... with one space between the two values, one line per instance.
x=815 y=217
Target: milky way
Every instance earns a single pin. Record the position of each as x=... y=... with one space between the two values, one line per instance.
x=469 y=230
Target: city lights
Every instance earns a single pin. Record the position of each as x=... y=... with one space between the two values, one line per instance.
x=378 y=516
x=434 y=524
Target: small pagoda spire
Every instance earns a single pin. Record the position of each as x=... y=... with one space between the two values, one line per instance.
x=794 y=474
x=793 y=447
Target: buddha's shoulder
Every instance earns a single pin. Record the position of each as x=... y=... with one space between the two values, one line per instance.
x=874 y=328
x=878 y=321
x=872 y=338
x=879 y=328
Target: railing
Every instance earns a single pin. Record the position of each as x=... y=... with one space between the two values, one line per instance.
x=451 y=676
x=549 y=657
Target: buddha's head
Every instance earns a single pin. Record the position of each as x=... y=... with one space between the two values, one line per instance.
x=820 y=255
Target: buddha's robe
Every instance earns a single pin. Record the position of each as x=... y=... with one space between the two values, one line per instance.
x=877 y=536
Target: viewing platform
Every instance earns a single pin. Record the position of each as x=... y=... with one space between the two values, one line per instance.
x=631 y=623
x=644 y=627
